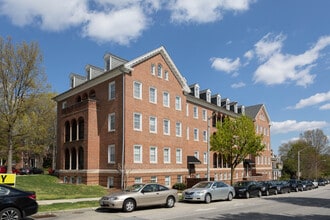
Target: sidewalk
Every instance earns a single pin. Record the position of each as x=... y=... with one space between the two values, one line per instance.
x=49 y=202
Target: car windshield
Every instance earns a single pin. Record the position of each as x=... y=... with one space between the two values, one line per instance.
x=203 y=185
x=134 y=188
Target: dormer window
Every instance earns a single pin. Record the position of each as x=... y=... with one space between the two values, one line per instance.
x=196 y=91
x=208 y=96
x=218 y=100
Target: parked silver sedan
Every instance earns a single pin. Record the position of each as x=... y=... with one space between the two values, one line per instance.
x=139 y=195
x=208 y=191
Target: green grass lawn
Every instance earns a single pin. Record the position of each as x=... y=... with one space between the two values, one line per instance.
x=49 y=187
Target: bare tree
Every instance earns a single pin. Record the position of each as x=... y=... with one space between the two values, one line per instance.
x=21 y=77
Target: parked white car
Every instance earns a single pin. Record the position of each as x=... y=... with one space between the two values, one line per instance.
x=208 y=191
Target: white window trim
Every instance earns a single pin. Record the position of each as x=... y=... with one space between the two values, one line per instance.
x=176 y=157
x=196 y=134
x=176 y=134
x=178 y=105
x=111 y=146
x=150 y=119
x=150 y=100
x=110 y=92
x=140 y=128
x=156 y=154
x=141 y=153
x=169 y=127
x=168 y=101
x=195 y=113
x=140 y=92
x=169 y=155
x=110 y=129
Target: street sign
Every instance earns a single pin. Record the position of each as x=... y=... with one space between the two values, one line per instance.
x=8 y=179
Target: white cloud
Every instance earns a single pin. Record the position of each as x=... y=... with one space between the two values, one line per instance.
x=314 y=100
x=325 y=107
x=294 y=126
x=49 y=15
x=225 y=64
x=120 y=26
x=238 y=85
x=118 y=21
x=268 y=46
x=281 y=68
x=249 y=54
x=204 y=11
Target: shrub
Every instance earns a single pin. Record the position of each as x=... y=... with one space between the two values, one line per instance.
x=179 y=186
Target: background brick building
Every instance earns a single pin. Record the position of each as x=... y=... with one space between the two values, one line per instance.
x=139 y=121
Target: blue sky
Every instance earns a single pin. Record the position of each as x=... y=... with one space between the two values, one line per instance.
x=272 y=52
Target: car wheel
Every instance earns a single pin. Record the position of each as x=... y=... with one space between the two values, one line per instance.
x=267 y=193
x=10 y=213
x=207 y=198
x=170 y=202
x=129 y=205
x=259 y=193
x=247 y=194
x=296 y=189
x=230 y=196
x=275 y=192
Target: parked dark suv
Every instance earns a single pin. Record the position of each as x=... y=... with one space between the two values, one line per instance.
x=247 y=189
x=296 y=185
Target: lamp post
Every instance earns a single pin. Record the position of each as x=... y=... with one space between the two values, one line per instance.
x=208 y=145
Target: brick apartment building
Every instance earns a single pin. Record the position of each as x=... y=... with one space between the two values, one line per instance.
x=139 y=121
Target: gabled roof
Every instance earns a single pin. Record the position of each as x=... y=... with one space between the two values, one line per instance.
x=161 y=50
x=253 y=110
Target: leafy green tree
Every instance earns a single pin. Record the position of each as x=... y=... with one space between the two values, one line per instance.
x=21 y=77
x=313 y=148
x=235 y=139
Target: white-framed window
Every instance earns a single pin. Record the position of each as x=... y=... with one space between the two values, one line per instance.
x=166 y=126
x=111 y=122
x=195 y=109
x=166 y=99
x=111 y=154
x=178 y=129
x=137 y=154
x=205 y=136
x=153 y=179
x=178 y=103
x=187 y=109
x=196 y=91
x=138 y=180
x=179 y=178
x=196 y=138
x=196 y=154
x=153 y=95
x=167 y=155
x=137 y=123
x=137 y=90
x=166 y=75
x=204 y=114
x=188 y=133
x=153 y=124
x=178 y=155
x=153 y=69
x=208 y=96
x=64 y=104
x=153 y=154
x=110 y=182
x=160 y=71
x=167 y=181
x=112 y=90
x=205 y=157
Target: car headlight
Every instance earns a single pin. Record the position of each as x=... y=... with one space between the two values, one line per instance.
x=113 y=198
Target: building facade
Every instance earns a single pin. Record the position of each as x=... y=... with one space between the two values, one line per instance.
x=139 y=121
